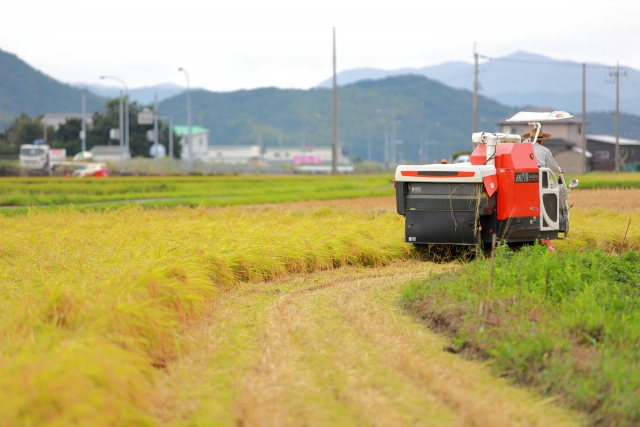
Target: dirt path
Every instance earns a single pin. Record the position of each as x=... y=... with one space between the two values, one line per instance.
x=333 y=348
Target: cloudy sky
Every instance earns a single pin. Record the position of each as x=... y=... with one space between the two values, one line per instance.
x=244 y=44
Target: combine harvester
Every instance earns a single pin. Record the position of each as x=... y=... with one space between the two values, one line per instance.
x=501 y=192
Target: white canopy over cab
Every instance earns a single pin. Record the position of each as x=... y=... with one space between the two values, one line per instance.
x=534 y=116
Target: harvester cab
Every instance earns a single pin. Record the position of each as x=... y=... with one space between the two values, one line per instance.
x=500 y=192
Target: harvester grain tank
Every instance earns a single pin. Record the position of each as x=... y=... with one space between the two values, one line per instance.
x=500 y=192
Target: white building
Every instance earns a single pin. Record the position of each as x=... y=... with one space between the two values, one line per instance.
x=288 y=154
x=233 y=154
x=199 y=141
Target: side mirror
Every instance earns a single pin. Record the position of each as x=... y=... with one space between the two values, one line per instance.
x=573 y=183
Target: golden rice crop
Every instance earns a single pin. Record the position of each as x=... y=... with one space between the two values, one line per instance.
x=92 y=304
x=609 y=230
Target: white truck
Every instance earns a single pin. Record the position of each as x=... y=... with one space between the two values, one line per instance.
x=40 y=156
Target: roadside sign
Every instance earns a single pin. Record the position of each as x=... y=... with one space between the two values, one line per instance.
x=114 y=133
x=81 y=134
x=145 y=117
x=150 y=135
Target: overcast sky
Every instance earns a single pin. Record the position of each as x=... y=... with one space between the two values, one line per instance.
x=244 y=44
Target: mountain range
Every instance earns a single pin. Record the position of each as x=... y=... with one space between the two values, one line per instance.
x=523 y=79
x=141 y=95
x=425 y=114
x=24 y=89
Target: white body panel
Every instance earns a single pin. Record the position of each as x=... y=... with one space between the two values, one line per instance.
x=443 y=173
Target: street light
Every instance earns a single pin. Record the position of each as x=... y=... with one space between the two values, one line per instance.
x=190 y=162
x=126 y=113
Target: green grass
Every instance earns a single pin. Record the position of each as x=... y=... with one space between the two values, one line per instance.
x=208 y=191
x=607 y=180
x=567 y=324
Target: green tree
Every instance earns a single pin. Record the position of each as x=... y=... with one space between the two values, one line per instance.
x=24 y=130
x=138 y=142
x=68 y=137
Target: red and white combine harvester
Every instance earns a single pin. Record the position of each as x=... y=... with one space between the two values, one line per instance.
x=501 y=192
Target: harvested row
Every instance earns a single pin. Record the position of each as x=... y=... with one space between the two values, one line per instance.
x=333 y=348
x=89 y=311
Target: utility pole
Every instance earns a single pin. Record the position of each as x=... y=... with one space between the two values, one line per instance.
x=386 y=147
x=617 y=74
x=584 y=117
x=334 y=160
x=170 y=137
x=126 y=119
x=155 y=126
x=476 y=88
x=261 y=143
x=84 y=124
x=394 y=143
x=121 y=137
x=189 y=139
x=426 y=151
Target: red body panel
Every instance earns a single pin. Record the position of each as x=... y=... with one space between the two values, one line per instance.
x=479 y=155
x=516 y=199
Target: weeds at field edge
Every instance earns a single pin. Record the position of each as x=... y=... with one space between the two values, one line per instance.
x=565 y=324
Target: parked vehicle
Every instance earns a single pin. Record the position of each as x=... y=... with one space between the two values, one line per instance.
x=40 y=156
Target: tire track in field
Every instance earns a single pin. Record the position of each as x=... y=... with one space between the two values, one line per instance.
x=333 y=348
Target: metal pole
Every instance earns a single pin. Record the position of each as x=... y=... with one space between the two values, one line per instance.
x=618 y=117
x=334 y=159
x=427 y=149
x=189 y=145
x=126 y=117
x=171 y=137
x=84 y=124
x=155 y=126
x=475 y=90
x=584 y=117
x=394 y=142
x=121 y=136
x=369 y=146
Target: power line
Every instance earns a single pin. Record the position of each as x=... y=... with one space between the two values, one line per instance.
x=554 y=64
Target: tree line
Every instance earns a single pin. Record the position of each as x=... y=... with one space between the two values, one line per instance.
x=26 y=129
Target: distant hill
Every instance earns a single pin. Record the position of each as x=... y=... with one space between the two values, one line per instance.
x=142 y=95
x=424 y=109
x=25 y=89
x=525 y=79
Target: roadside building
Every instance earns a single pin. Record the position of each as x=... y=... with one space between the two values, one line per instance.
x=603 y=148
x=108 y=153
x=233 y=154
x=199 y=141
x=309 y=154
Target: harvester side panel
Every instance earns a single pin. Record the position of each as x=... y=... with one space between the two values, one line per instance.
x=518 y=176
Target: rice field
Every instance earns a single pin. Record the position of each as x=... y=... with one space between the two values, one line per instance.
x=188 y=191
x=93 y=303
x=284 y=312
